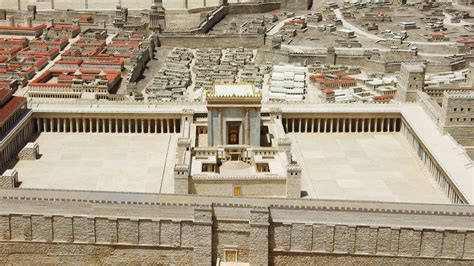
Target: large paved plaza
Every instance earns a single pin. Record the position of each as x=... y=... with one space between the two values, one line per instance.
x=363 y=166
x=106 y=162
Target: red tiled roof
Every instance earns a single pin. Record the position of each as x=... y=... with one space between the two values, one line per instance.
x=38 y=27
x=4 y=94
x=10 y=108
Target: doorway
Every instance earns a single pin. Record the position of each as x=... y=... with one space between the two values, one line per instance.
x=233 y=129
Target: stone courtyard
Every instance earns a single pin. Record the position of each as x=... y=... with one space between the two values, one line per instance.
x=363 y=166
x=104 y=162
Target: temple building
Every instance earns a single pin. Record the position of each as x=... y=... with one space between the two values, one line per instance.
x=236 y=152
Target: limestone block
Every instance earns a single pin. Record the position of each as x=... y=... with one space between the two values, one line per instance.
x=351 y=239
x=282 y=236
x=362 y=239
x=431 y=243
x=258 y=245
x=29 y=152
x=453 y=244
x=202 y=235
x=469 y=246
x=62 y=229
x=341 y=239
x=106 y=230
x=259 y=234
x=166 y=233
x=372 y=245
x=42 y=228
x=84 y=230
x=187 y=234
x=149 y=232
x=409 y=244
x=127 y=231
x=395 y=241
x=4 y=227
x=301 y=237
x=384 y=240
x=9 y=179
x=319 y=237
x=20 y=227
x=330 y=238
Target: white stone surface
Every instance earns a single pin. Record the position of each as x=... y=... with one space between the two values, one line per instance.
x=106 y=162
x=363 y=166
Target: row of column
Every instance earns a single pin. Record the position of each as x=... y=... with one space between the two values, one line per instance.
x=54 y=95
x=433 y=168
x=11 y=148
x=108 y=125
x=339 y=125
x=12 y=122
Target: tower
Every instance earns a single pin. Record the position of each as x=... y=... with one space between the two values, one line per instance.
x=331 y=56
x=157 y=16
x=293 y=181
x=119 y=22
x=411 y=80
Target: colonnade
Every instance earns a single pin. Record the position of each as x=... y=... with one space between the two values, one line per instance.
x=72 y=95
x=340 y=125
x=433 y=167
x=11 y=147
x=108 y=125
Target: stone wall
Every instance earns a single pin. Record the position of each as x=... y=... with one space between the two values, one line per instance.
x=210 y=41
x=97 y=227
x=248 y=8
x=457 y=116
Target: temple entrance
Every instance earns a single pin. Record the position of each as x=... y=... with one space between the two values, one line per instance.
x=233 y=129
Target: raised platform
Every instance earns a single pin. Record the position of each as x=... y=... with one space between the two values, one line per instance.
x=363 y=166
x=104 y=162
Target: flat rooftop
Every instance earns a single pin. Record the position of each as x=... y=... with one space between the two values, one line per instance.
x=363 y=166
x=103 y=162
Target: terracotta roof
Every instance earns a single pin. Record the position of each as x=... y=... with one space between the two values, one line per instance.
x=10 y=108
x=4 y=93
x=38 y=27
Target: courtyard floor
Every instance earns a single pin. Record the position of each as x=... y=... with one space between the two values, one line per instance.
x=363 y=166
x=106 y=162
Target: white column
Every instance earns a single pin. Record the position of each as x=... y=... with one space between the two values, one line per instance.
x=110 y=125
x=156 y=126
x=161 y=126
x=142 y=129
x=350 y=125
x=83 y=125
x=97 y=126
x=357 y=125
x=149 y=125
x=123 y=125
x=38 y=127
x=383 y=124
x=343 y=125
x=319 y=125
x=77 y=124
x=300 y=123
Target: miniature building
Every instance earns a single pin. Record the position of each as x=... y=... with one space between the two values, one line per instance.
x=412 y=78
x=457 y=117
x=288 y=82
x=9 y=179
x=239 y=156
x=29 y=152
x=230 y=125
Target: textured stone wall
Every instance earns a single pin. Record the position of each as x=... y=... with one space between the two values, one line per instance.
x=174 y=231
x=371 y=240
x=210 y=41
